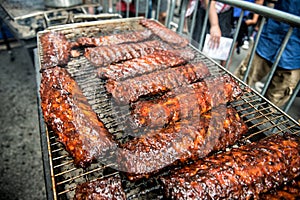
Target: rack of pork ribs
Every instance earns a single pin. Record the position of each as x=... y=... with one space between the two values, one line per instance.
x=182 y=111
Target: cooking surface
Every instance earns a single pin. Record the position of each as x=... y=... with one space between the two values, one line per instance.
x=259 y=115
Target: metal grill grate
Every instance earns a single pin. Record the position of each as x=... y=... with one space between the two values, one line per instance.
x=262 y=118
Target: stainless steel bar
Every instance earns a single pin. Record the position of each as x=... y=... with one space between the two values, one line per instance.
x=263 y=20
x=65 y=172
x=182 y=16
x=147 y=9
x=234 y=39
x=62 y=164
x=171 y=13
x=265 y=11
x=78 y=176
x=292 y=98
x=193 y=22
x=157 y=12
x=127 y=9
x=275 y=64
x=137 y=4
x=200 y=47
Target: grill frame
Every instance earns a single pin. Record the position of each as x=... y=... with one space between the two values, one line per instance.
x=55 y=157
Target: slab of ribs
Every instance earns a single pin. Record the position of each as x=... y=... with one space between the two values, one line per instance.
x=241 y=173
x=180 y=110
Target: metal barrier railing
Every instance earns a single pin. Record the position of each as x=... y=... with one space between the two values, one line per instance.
x=266 y=12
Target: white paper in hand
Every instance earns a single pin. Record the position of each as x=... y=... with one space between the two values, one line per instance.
x=220 y=53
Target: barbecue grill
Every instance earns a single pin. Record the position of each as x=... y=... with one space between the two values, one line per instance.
x=62 y=177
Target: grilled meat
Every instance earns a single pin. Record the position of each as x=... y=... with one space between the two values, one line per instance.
x=185 y=102
x=130 y=90
x=158 y=60
x=165 y=34
x=241 y=173
x=67 y=112
x=115 y=38
x=190 y=139
x=55 y=48
x=291 y=191
x=101 y=189
x=105 y=55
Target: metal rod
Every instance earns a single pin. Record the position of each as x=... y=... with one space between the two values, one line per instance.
x=234 y=39
x=171 y=13
x=127 y=9
x=254 y=49
x=265 y=11
x=292 y=98
x=137 y=4
x=193 y=21
x=204 y=27
x=157 y=9
x=182 y=16
x=147 y=8
x=273 y=69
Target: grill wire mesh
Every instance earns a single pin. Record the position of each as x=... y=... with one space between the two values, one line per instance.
x=262 y=118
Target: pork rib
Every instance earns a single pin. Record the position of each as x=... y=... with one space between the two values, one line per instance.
x=115 y=38
x=55 y=49
x=191 y=139
x=105 y=55
x=185 y=102
x=158 y=60
x=107 y=188
x=127 y=91
x=291 y=191
x=67 y=112
x=241 y=173
x=165 y=34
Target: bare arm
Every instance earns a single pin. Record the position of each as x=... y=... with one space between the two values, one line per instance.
x=215 y=30
x=255 y=16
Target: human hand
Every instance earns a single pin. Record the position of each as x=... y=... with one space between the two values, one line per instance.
x=215 y=36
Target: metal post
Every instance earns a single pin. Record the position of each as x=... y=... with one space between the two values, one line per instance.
x=137 y=3
x=200 y=47
x=157 y=9
x=234 y=38
x=127 y=9
x=193 y=21
x=182 y=16
x=171 y=13
x=292 y=98
x=254 y=48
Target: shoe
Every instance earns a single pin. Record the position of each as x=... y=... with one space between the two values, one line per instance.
x=258 y=86
x=245 y=45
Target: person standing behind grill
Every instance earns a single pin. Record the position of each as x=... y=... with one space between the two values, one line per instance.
x=220 y=22
x=287 y=73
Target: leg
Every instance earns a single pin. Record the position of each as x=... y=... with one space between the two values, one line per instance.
x=282 y=85
x=259 y=69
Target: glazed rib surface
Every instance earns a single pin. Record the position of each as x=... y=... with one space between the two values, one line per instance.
x=135 y=36
x=68 y=114
x=158 y=60
x=55 y=48
x=190 y=139
x=101 y=189
x=241 y=173
x=185 y=102
x=130 y=90
x=105 y=55
x=165 y=34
